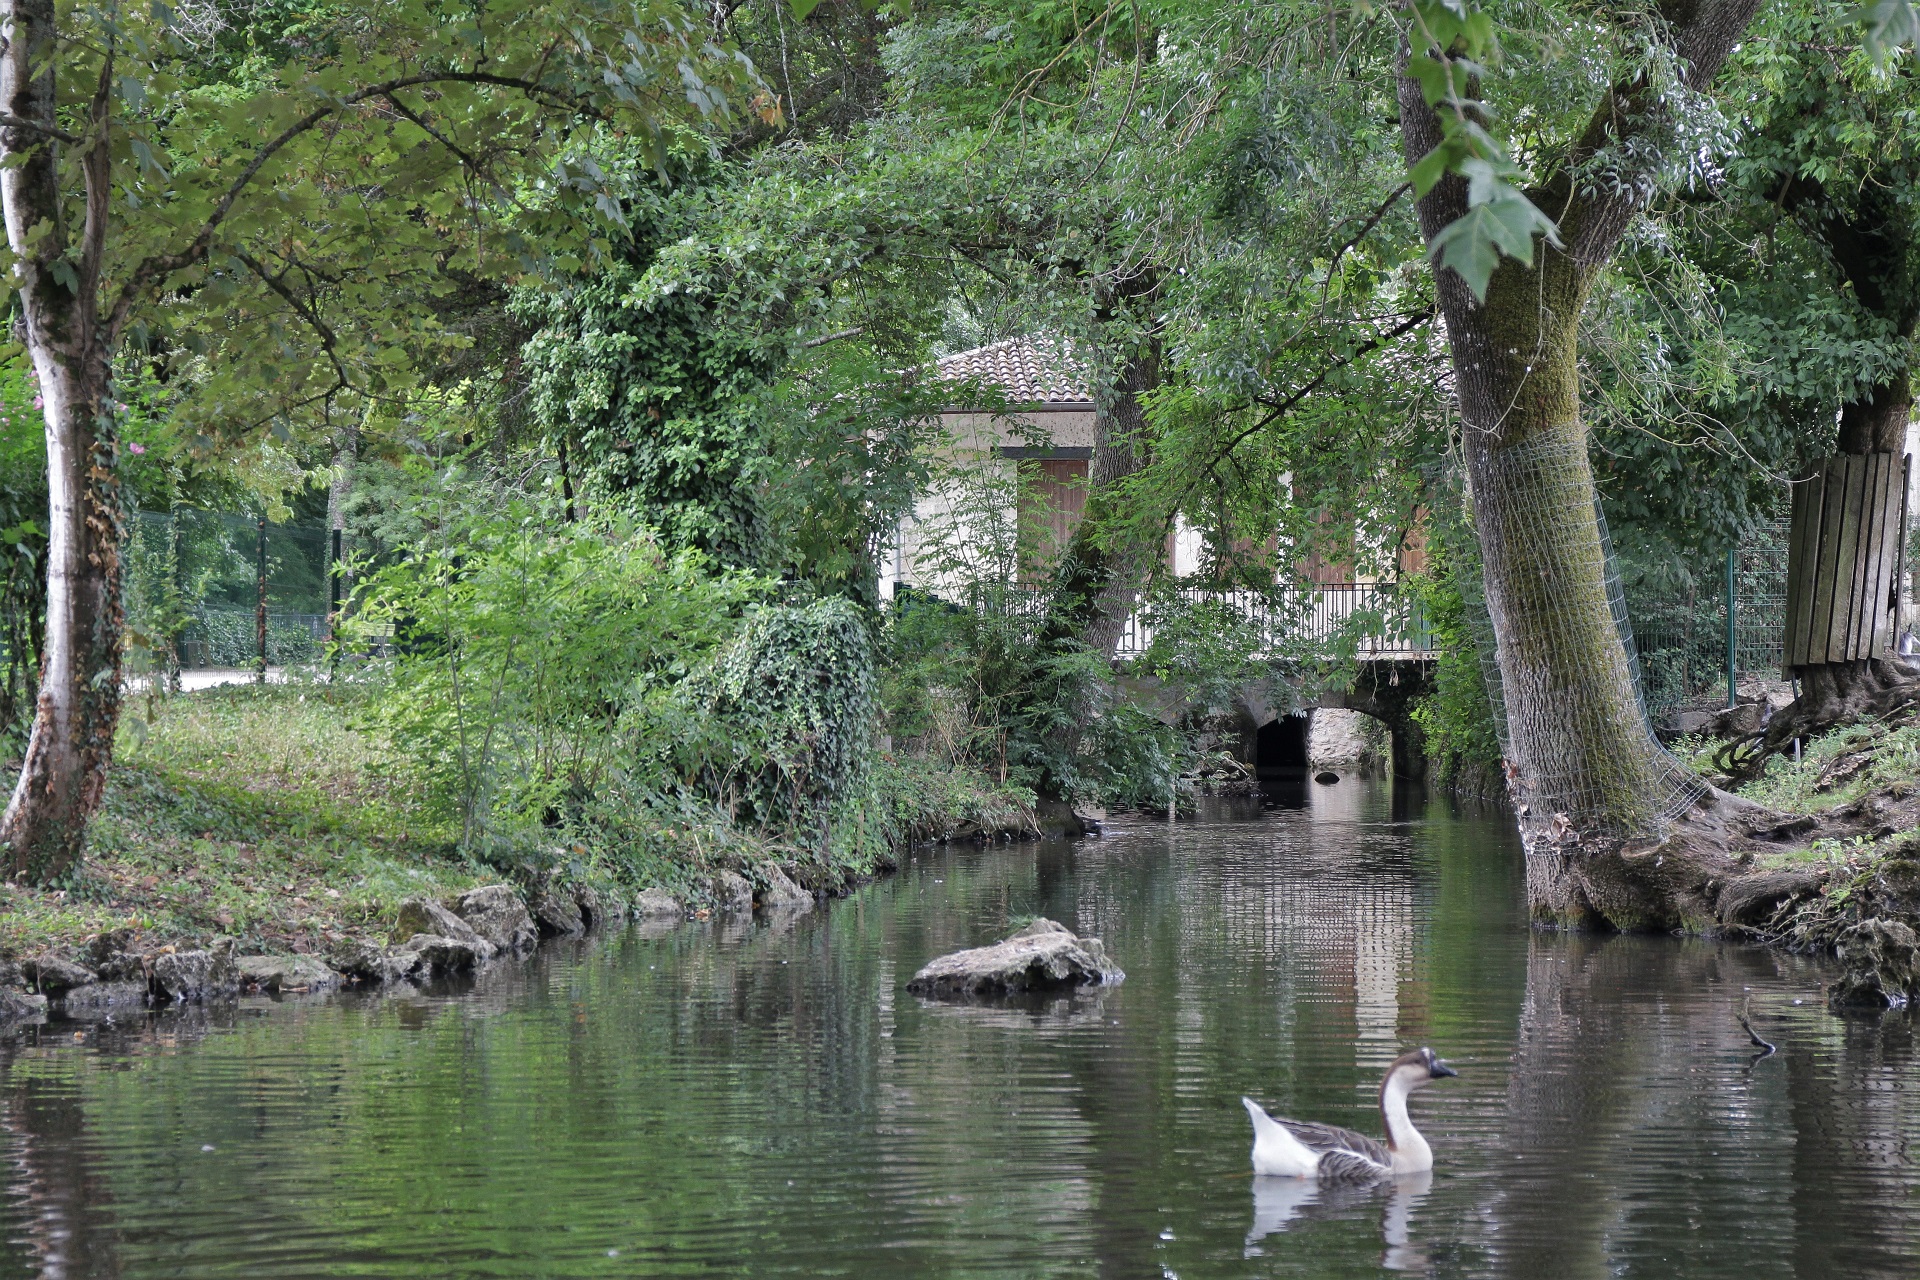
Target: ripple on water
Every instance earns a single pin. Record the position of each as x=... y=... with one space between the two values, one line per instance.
x=767 y=1100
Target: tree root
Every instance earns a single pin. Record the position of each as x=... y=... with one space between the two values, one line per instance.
x=1701 y=878
x=1831 y=695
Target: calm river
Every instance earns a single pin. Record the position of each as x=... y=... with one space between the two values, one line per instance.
x=765 y=1100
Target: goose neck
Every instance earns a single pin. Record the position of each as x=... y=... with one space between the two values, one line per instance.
x=1410 y=1151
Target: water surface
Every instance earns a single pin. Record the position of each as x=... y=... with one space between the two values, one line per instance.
x=763 y=1099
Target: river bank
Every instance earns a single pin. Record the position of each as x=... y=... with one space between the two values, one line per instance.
x=667 y=1099
x=270 y=821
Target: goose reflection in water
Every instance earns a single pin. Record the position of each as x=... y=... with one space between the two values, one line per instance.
x=1280 y=1204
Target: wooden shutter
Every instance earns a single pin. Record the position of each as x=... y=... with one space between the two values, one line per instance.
x=1845 y=555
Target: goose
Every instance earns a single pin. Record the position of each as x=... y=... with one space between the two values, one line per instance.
x=1293 y=1149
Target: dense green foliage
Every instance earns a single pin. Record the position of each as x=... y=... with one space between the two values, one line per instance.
x=618 y=364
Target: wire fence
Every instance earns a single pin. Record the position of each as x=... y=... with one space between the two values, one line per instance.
x=197 y=580
x=1682 y=640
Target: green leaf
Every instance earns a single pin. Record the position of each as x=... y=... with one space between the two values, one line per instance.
x=1466 y=245
x=801 y=8
x=1429 y=169
x=1505 y=224
x=1887 y=25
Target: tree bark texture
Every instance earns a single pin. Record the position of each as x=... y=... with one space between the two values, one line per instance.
x=1100 y=580
x=65 y=768
x=1582 y=761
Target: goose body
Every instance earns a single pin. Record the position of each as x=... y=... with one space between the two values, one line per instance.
x=1295 y=1149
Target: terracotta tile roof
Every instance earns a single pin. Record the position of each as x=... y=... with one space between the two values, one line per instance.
x=1027 y=370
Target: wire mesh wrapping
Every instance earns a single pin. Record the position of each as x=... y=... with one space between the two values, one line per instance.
x=1556 y=646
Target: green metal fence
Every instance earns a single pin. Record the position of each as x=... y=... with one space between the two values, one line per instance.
x=194 y=589
x=1683 y=641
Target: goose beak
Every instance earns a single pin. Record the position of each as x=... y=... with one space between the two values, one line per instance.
x=1440 y=1069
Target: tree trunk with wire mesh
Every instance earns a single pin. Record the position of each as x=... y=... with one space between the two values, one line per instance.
x=1588 y=778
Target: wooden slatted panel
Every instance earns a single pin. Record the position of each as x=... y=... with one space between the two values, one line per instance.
x=1890 y=513
x=1871 y=632
x=1849 y=592
x=1849 y=524
x=1826 y=558
x=1803 y=544
x=1844 y=586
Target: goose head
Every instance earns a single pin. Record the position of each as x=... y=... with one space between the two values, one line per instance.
x=1418 y=1069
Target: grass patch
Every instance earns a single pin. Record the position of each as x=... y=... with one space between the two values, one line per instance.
x=273 y=815
x=257 y=813
x=1839 y=768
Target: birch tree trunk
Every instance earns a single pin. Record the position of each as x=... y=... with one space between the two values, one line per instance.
x=65 y=768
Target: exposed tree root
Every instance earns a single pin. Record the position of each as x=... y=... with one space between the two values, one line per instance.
x=1831 y=695
x=1698 y=879
x=1703 y=878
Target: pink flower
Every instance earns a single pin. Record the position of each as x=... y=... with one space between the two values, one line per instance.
x=136 y=447
x=38 y=403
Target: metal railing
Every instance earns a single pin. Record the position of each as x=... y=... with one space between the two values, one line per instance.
x=1373 y=619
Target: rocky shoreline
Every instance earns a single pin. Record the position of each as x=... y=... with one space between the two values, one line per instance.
x=431 y=938
x=126 y=969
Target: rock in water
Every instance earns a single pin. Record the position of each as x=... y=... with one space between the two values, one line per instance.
x=287 y=973
x=427 y=955
x=657 y=904
x=196 y=975
x=732 y=892
x=496 y=913
x=1044 y=955
x=425 y=916
x=556 y=913
x=1326 y=777
x=16 y=1006
x=371 y=962
x=51 y=975
x=95 y=996
x=781 y=893
x=1883 y=966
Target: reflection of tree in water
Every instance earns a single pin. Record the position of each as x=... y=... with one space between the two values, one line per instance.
x=1852 y=1126
x=1646 y=1140
x=61 y=1209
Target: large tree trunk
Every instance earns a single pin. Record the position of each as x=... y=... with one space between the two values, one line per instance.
x=1101 y=574
x=1586 y=772
x=65 y=769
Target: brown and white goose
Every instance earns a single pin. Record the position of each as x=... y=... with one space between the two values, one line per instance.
x=1294 y=1149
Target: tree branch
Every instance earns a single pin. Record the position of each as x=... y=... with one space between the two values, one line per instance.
x=156 y=268
x=96 y=166
x=11 y=121
x=329 y=341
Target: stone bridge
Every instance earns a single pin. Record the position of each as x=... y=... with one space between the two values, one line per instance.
x=1380 y=628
